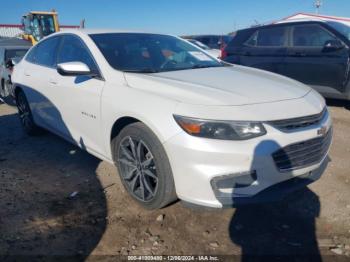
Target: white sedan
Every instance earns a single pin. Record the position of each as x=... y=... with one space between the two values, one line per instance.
x=176 y=122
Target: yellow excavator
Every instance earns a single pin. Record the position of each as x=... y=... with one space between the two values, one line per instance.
x=37 y=25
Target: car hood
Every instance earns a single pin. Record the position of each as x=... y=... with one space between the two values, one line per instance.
x=231 y=85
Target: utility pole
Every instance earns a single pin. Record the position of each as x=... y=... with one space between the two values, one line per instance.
x=318 y=4
x=82 y=24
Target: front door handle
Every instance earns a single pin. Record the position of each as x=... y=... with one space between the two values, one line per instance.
x=26 y=73
x=53 y=82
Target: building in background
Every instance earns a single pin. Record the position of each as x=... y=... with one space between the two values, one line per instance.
x=13 y=30
x=303 y=16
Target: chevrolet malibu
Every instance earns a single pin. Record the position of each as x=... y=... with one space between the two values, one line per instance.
x=175 y=121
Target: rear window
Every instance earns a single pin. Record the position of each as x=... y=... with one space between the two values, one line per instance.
x=268 y=37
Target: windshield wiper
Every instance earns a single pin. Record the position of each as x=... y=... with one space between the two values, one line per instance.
x=144 y=70
x=204 y=66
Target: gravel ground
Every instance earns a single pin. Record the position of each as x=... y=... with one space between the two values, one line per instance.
x=58 y=200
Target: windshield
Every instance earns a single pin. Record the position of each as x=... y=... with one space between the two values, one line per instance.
x=341 y=28
x=150 y=53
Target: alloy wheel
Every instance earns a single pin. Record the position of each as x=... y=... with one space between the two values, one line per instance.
x=138 y=169
x=24 y=111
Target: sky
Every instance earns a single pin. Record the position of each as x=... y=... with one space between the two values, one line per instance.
x=179 y=17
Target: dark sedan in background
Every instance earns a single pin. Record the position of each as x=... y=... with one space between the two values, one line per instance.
x=313 y=52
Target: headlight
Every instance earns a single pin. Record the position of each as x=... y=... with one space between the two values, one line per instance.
x=225 y=130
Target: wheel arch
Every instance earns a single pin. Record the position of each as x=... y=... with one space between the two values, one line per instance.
x=121 y=123
x=127 y=119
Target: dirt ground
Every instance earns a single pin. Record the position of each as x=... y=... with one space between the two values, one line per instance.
x=58 y=200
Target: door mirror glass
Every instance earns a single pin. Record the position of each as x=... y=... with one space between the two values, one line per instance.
x=332 y=45
x=73 y=69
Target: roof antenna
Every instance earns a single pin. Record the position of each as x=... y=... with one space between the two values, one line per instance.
x=318 y=4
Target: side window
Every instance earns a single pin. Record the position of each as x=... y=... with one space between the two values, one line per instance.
x=45 y=52
x=73 y=50
x=268 y=37
x=310 y=36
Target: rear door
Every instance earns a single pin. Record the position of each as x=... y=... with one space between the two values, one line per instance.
x=39 y=65
x=265 y=49
x=308 y=62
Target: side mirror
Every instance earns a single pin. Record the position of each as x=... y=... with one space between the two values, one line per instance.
x=73 y=69
x=332 y=45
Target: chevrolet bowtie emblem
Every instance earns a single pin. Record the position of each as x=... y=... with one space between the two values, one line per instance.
x=322 y=131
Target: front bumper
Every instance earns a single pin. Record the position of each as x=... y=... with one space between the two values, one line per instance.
x=197 y=163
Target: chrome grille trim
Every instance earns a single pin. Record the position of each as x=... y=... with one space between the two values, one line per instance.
x=302 y=154
x=289 y=125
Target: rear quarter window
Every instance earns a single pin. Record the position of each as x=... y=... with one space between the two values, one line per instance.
x=45 y=52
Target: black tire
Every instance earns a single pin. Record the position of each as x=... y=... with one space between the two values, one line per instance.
x=25 y=115
x=158 y=189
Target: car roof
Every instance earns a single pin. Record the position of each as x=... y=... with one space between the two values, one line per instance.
x=288 y=22
x=301 y=20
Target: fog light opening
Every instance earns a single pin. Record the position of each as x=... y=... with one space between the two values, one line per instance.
x=231 y=181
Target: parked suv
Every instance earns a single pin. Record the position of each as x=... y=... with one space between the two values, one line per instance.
x=313 y=52
x=9 y=55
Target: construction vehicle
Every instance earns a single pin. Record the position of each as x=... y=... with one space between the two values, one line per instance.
x=37 y=25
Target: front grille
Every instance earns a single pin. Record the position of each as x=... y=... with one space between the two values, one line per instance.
x=288 y=125
x=302 y=154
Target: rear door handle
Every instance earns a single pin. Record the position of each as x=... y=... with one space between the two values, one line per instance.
x=26 y=73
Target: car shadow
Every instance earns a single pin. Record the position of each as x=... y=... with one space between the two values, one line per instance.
x=283 y=230
x=52 y=202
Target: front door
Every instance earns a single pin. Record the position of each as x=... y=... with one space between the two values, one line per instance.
x=79 y=96
x=309 y=62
